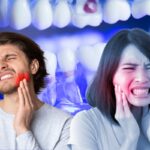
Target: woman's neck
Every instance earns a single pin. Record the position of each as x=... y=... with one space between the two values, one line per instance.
x=137 y=113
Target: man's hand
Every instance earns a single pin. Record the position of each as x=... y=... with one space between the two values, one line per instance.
x=25 y=110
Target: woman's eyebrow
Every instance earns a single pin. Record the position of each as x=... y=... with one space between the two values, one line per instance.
x=129 y=64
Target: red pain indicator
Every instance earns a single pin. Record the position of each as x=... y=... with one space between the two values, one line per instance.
x=22 y=76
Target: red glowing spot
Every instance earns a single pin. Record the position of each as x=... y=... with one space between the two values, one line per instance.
x=22 y=76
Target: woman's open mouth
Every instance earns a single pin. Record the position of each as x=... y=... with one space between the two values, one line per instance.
x=141 y=92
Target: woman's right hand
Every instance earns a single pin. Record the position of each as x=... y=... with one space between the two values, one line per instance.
x=126 y=120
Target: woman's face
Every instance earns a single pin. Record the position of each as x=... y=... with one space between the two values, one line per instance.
x=133 y=76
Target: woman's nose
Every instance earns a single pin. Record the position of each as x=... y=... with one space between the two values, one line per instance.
x=142 y=76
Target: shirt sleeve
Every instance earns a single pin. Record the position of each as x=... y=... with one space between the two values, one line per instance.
x=64 y=137
x=26 y=141
x=82 y=133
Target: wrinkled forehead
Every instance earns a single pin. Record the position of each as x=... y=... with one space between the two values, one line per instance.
x=10 y=49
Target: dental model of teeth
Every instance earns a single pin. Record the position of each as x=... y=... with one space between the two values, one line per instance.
x=4 y=20
x=62 y=14
x=89 y=56
x=115 y=10
x=51 y=63
x=140 y=8
x=42 y=14
x=68 y=93
x=20 y=16
x=87 y=12
x=66 y=60
x=48 y=94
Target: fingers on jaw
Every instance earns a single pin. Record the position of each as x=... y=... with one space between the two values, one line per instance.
x=119 y=105
x=125 y=105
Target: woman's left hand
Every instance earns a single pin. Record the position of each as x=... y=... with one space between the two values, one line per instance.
x=125 y=117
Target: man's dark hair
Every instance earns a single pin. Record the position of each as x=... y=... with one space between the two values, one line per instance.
x=31 y=50
x=101 y=91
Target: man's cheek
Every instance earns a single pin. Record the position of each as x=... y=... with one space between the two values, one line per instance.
x=22 y=76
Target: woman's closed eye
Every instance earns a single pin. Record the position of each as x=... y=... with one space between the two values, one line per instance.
x=128 y=68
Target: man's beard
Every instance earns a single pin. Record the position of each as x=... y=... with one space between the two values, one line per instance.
x=8 y=89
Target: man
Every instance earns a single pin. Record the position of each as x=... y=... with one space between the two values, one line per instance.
x=25 y=122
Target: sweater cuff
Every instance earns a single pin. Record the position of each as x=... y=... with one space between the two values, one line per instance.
x=22 y=139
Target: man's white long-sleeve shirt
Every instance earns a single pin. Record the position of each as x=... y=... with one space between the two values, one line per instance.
x=49 y=131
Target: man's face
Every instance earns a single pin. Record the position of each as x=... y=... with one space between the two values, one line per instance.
x=12 y=62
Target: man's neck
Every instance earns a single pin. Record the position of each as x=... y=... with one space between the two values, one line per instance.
x=10 y=103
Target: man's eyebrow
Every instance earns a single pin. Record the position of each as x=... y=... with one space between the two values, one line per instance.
x=9 y=55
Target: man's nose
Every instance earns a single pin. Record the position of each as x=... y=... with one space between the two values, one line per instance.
x=142 y=76
x=3 y=65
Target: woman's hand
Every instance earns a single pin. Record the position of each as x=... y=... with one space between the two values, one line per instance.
x=126 y=119
x=25 y=110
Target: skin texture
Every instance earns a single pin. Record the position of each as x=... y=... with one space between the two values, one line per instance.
x=19 y=100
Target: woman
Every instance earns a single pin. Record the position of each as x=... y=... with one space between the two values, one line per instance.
x=120 y=96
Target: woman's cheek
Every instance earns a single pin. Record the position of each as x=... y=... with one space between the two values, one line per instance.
x=125 y=84
x=121 y=80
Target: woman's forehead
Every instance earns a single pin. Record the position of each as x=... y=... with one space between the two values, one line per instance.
x=132 y=54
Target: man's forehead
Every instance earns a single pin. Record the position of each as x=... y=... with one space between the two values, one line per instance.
x=9 y=49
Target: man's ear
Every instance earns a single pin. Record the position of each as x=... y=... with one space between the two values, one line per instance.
x=34 y=66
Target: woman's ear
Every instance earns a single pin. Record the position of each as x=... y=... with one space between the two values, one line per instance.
x=34 y=66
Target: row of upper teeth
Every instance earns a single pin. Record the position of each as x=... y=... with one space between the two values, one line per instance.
x=141 y=91
x=6 y=77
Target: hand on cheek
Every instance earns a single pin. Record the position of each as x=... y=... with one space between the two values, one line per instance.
x=124 y=115
x=22 y=76
x=25 y=110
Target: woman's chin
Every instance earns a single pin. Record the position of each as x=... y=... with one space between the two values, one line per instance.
x=140 y=103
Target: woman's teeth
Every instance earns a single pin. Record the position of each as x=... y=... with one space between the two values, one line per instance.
x=141 y=92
